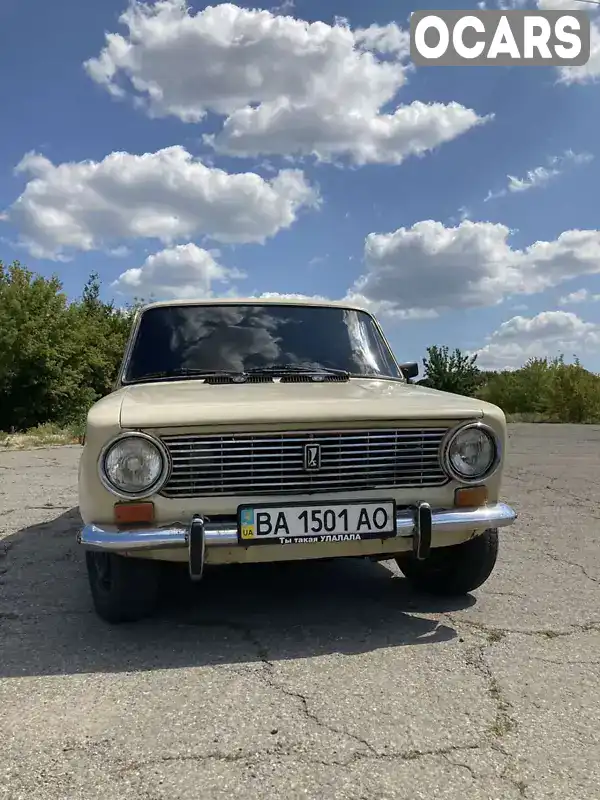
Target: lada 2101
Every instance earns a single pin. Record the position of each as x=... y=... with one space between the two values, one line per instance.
x=246 y=431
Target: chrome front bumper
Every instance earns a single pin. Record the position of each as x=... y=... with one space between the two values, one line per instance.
x=214 y=534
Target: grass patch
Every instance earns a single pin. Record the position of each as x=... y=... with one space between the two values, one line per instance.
x=46 y=435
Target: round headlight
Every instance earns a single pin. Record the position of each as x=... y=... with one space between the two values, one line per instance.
x=472 y=453
x=134 y=465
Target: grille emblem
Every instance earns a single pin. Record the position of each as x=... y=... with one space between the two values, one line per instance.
x=312 y=457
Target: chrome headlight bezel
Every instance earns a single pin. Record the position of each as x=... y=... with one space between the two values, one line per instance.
x=155 y=487
x=449 y=439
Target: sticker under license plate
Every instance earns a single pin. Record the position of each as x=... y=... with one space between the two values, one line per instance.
x=343 y=522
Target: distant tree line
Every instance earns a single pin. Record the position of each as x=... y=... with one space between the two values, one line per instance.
x=543 y=390
x=57 y=357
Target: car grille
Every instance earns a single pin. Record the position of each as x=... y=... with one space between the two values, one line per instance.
x=352 y=460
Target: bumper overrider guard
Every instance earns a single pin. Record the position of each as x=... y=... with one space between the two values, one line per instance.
x=416 y=523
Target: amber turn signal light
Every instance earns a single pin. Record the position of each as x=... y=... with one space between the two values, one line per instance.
x=471 y=496
x=133 y=513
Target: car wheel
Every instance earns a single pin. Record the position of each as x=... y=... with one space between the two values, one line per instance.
x=454 y=570
x=123 y=589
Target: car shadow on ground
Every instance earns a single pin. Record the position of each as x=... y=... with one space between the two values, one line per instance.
x=237 y=614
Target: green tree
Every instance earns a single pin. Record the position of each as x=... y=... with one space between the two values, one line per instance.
x=33 y=329
x=100 y=332
x=56 y=357
x=451 y=371
x=574 y=394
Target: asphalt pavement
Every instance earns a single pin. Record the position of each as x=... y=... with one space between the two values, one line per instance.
x=329 y=681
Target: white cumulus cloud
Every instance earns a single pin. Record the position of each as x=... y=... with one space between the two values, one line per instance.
x=430 y=267
x=548 y=334
x=168 y=195
x=384 y=39
x=284 y=85
x=284 y=128
x=184 y=271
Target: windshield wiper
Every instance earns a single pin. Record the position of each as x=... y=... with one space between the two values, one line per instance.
x=281 y=369
x=287 y=369
x=178 y=372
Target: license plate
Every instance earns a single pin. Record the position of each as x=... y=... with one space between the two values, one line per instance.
x=339 y=522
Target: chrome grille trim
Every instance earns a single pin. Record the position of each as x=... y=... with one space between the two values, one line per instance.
x=272 y=463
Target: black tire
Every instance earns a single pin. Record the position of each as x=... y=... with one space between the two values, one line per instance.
x=455 y=570
x=123 y=589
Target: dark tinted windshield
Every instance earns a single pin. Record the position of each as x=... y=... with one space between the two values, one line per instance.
x=243 y=337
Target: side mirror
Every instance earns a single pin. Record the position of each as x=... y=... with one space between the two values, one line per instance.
x=410 y=369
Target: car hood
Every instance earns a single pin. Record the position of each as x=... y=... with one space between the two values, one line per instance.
x=188 y=403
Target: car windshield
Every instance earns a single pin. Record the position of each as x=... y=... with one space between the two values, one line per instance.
x=238 y=338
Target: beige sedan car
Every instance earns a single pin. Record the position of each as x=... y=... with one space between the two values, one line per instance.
x=246 y=431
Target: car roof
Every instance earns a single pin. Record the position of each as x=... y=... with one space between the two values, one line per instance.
x=277 y=301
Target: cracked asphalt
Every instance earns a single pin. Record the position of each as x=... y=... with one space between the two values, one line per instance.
x=330 y=681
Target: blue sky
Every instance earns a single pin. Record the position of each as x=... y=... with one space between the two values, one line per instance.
x=299 y=192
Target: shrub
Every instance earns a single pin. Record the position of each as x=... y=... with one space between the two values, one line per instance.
x=546 y=390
